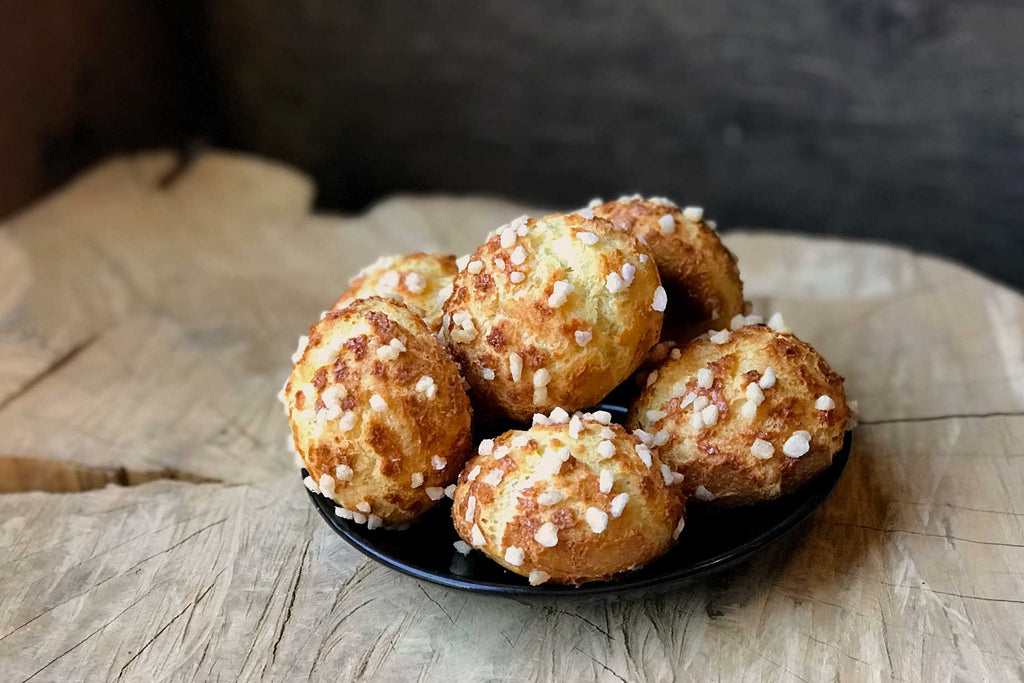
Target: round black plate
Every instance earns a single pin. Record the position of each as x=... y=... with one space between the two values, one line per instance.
x=712 y=540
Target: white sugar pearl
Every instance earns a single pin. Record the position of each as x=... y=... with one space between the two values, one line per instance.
x=703 y=494
x=515 y=366
x=618 y=504
x=796 y=446
x=762 y=449
x=415 y=283
x=538 y=577
x=660 y=299
x=559 y=416
x=777 y=323
x=667 y=223
x=560 y=293
x=575 y=427
x=704 y=378
x=508 y=237
x=547 y=535
x=614 y=283
x=720 y=337
x=644 y=453
x=767 y=380
x=327 y=485
x=514 y=556
x=824 y=403
x=597 y=519
x=550 y=497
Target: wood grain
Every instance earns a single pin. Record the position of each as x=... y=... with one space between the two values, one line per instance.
x=146 y=329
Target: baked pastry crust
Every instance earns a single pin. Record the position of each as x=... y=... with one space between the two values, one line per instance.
x=553 y=312
x=421 y=281
x=378 y=412
x=720 y=461
x=520 y=491
x=699 y=273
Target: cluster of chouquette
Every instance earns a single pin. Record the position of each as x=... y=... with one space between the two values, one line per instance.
x=538 y=325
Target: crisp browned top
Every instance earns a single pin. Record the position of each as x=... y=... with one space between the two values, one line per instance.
x=535 y=298
x=421 y=281
x=355 y=400
x=510 y=512
x=700 y=274
x=719 y=456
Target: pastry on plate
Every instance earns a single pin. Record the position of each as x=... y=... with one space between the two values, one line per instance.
x=569 y=500
x=553 y=312
x=421 y=281
x=378 y=412
x=699 y=273
x=746 y=415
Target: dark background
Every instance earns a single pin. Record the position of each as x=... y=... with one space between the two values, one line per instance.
x=893 y=120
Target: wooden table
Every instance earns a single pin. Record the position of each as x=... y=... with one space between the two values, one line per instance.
x=146 y=320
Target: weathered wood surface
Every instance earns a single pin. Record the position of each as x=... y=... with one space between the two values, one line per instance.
x=144 y=331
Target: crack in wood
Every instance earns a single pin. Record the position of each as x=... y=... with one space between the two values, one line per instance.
x=947 y=537
x=149 y=642
x=291 y=601
x=580 y=617
x=20 y=474
x=939 y=418
x=181 y=542
x=601 y=664
x=54 y=366
x=436 y=604
x=62 y=654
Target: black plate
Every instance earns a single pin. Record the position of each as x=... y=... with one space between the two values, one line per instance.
x=711 y=541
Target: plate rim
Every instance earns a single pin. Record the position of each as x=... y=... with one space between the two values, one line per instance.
x=705 y=567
